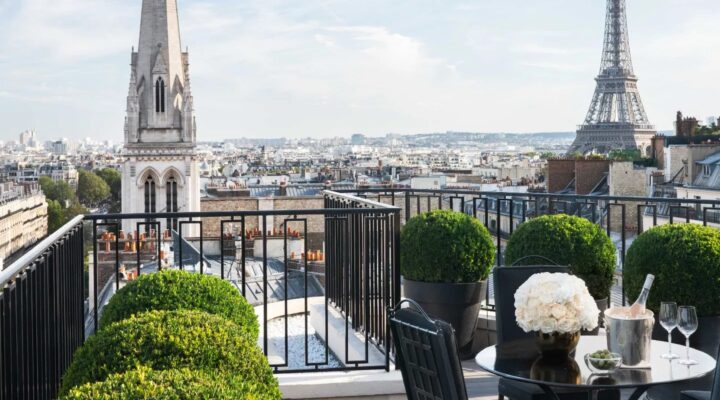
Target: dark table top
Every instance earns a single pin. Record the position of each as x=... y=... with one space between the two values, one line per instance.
x=520 y=361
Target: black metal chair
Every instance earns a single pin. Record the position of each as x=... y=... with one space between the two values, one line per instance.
x=427 y=354
x=506 y=281
x=713 y=394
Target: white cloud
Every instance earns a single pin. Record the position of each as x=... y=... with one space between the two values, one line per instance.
x=321 y=67
x=68 y=31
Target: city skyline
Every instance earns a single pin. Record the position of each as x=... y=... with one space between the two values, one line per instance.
x=328 y=69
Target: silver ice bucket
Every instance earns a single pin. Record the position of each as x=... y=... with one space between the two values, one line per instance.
x=630 y=337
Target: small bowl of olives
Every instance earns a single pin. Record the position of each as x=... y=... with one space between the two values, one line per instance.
x=603 y=362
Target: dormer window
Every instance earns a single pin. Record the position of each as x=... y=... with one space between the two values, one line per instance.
x=160 y=95
x=707 y=170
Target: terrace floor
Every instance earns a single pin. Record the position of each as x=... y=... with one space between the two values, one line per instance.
x=480 y=384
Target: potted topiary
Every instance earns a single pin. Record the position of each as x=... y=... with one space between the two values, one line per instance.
x=169 y=340
x=175 y=290
x=445 y=259
x=685 y=259
x=143 y=383
x=569 y=241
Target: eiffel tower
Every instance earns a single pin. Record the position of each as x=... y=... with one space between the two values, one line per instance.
x=616 y=118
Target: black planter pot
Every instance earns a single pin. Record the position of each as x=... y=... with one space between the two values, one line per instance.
x=455 y=303
x=705 y=339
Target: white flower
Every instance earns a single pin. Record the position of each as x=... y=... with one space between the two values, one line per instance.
x=550 y=303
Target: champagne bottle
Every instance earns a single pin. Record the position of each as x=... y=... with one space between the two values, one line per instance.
x=638 y=308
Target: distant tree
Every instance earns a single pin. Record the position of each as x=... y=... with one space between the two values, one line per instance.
x=575 y=154
x=92 y=190
x=596 y=157
x=706 y=130
x=56 y=216
x=113 y=179
x=547 y=154
x=59 y=191
x=74 y=210
x=625 y=155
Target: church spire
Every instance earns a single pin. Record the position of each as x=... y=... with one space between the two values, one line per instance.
x=160 y=73
x=160 y=33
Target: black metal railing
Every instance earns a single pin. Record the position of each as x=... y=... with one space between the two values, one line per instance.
x=42 y=315
x=321 y=279
x=622 y=217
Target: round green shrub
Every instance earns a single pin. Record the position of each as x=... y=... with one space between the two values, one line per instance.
x=176 y=290
x=184 y=384
x=685 y=259
x=447 y=247
x=169 y=340
x=571 y=241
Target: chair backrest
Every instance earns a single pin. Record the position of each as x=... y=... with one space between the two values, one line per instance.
x=506 y=281
x=426 y=354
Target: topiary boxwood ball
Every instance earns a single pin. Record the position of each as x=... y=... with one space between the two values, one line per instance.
x=446 y=247
x=570 y=241
x=685 y=259
x=175 y=290
x=169 y=340
x=184 y=384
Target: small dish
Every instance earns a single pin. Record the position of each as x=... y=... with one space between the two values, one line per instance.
x=604 y=363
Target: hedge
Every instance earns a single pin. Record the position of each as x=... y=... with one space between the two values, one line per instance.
x=174 y=290
x=446 y=246
x=570 y=241
x=169 y=340
x=184 y=384
x=685 y=259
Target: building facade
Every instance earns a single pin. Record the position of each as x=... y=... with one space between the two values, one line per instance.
x=23 y=219
x=160 y=172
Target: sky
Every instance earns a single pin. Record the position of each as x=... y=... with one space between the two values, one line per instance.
x=324 y=68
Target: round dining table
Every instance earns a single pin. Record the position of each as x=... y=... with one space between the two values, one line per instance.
x=520 y=361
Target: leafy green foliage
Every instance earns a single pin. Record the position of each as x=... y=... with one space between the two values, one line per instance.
x=685 y=259
x=92 y=190
x=184 y=384
x=625 y=155
x=567 y=240
x=56 y=216
x=63 y=205
x=446 y=246
x=175 y=290
x=59 y=191
x=163 y=340
x=113 y=179
x=706 y=130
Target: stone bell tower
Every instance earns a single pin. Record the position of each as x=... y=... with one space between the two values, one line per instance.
x=160 y=172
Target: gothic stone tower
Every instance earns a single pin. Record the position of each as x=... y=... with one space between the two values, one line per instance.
x=616 y=119
x=160 y=173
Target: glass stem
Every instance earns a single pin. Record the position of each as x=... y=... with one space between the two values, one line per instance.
x=669 y=342
x=687 y=347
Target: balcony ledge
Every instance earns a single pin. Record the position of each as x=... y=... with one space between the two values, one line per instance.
x=343 y=385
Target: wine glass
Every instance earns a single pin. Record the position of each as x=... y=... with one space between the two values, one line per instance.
x=669 y=321
x=687 y=325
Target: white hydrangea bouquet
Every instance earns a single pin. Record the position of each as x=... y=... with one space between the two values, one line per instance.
x=555 y=303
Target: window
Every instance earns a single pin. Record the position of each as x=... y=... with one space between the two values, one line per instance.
x=171 y=201
x=160 y=95
x=707 y=170
x=149 y=195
